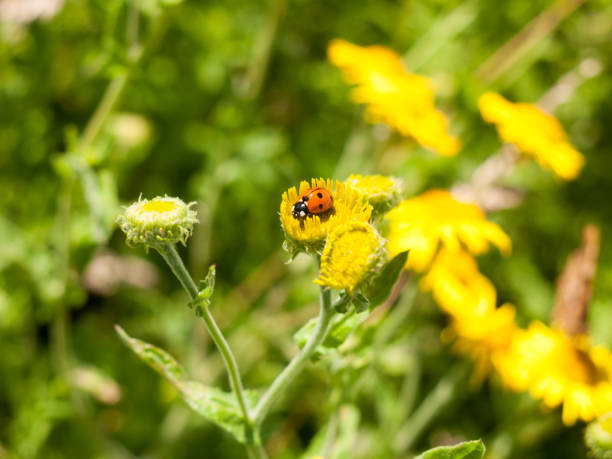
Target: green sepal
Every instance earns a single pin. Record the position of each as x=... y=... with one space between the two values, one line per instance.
x=474 y=449
x=342 y=304
x=214 y=404
x=379 y=287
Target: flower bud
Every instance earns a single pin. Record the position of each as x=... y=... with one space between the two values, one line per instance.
x=382 y=192
x=598 y=436
x=158 y=221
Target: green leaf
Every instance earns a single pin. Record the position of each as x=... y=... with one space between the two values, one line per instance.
x=214 y=404
x=380 y=287
x=154 y=7
x=156 y=358
x=341 y=306
x=341 y=328
x=207 y=288
x=361 y=302
x=218 y=406
x=474 y=449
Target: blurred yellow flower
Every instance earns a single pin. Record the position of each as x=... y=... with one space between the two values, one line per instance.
x=382 y=192
x=351 y=253
x=310 y=233
x=534 y=132
x=478 y=328
x=402 y=100
x=421 y=224
x=559 y=370
x=457 y=285
x=483 y=335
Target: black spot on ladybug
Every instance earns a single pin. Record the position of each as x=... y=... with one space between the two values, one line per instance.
x=320 y=195
x=320 y=206
x=305 y=198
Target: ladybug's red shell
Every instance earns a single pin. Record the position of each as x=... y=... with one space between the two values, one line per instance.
x=315 y=201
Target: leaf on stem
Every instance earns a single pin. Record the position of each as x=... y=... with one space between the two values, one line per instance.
x=206 y=290
x=341 y=328
x=214 y=404
x=474 y=449
x=380 y=286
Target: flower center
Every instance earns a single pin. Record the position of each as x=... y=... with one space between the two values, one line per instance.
x=158 y=206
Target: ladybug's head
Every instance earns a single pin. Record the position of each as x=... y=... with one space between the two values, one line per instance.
x=300 y=210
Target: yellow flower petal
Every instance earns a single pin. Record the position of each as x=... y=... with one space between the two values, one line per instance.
x=421 y=224
x=402 y=100
x=534 y=132
x=559 y=370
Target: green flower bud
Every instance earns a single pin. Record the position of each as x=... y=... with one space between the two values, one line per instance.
x=598 y=436
x=158 y=221
x=382 y=192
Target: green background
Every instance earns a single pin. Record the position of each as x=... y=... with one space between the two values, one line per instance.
x=230 y=104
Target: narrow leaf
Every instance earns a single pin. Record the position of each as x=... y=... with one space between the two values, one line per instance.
x=340 y=330
x=380 y=287
x=156 y=358
x=217 y=406
x=474 y=449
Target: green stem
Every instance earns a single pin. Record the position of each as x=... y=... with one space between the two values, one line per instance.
x=172 y=258
x=115 y=87
x=437 y=400
x=262 y=51
x=279 y=385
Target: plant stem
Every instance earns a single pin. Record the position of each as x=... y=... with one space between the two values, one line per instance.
x=279 y=385
x=434 y=403
x=170 y=255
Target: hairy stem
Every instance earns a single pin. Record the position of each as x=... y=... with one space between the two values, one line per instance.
x=170 y=255
x=282 y=381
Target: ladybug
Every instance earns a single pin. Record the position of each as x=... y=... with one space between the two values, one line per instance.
x=315 y=201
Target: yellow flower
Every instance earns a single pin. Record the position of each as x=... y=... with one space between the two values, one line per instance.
x=402 y=100
x=382 y=192
x=559 y=370
x=421 y=224
x=534 y=132
x=160 y=220
x=351 y=254
x=478 y=328
x=457 y=285
x=310 y=234
x=483 y=335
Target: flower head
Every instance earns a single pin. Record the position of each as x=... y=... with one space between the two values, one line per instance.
x=309 y=234
x=351 y=254
x=559 y=370
x=402 y=100
x=382 y=192
x=534 y=132
x=421 y=224
x=160 y=220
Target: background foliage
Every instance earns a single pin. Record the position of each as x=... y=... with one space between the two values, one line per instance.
x=229 y=104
